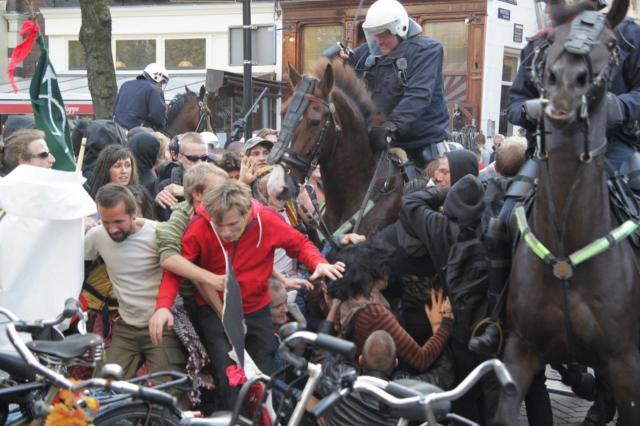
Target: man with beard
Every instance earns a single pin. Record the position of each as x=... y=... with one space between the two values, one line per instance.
x=127 y=244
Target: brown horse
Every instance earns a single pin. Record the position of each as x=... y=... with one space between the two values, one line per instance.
x=326 y=122
x=566 y=308
x=188 y=112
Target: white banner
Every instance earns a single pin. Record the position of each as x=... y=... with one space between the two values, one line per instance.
x=41 y=241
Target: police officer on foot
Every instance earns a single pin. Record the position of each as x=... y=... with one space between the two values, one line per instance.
x=140 y=102
x=403 y=71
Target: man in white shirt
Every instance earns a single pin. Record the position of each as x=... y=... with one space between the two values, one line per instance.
x=127 y=244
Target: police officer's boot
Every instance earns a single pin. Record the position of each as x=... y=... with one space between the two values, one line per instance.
x=498 y=247
x=602 y=410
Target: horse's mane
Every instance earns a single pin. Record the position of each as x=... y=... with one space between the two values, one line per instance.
x=177 y=103
x=346 y=79
x=562 y=13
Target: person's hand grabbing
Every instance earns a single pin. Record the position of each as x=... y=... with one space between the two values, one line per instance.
x=434 y=312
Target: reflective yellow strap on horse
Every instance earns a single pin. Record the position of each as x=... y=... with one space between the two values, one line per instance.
x=604 y=243
x=532 y=242
x=598 y=246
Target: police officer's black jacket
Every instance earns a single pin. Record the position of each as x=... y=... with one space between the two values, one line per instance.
x=407 y=87
x=625 y=80
x=140 y=102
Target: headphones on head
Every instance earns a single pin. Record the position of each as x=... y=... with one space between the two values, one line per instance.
x=174 y=144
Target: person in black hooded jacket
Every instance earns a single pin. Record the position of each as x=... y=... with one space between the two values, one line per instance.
x=146 y=148
x=99 y=134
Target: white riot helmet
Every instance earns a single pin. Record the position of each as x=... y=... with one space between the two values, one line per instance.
x=156 y=72
x=385 y=15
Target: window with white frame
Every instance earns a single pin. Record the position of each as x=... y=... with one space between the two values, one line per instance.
x=134 y=54
x=263 y=45
x=509 y=70
x=185 y=54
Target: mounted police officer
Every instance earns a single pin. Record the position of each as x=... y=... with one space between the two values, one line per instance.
x=403 y=71
x=140 y=102
x=525 y=108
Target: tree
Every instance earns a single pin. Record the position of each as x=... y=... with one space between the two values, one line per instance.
x=95 y=36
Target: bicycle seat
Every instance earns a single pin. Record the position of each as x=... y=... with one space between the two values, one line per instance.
x=415 y=388
x=13 y=364
x=74 y=346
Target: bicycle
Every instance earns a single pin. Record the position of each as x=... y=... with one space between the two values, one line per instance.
x=149 y=406
x=24 y=396
x=409 y=401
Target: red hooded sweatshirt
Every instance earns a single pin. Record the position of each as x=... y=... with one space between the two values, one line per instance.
x=253 y=261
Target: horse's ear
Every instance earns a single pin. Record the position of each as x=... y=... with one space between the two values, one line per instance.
x=294 y=76
x=617 y=12
x=202 y=93
x=326 y=84
x=187 y=89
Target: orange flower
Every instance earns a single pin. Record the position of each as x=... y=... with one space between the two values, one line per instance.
x=92 y=404
x=61 y=415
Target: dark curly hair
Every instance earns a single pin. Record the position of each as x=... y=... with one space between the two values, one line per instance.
x=230 y=161
x=366 y=263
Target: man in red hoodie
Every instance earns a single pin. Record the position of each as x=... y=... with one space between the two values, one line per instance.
x=230 y=225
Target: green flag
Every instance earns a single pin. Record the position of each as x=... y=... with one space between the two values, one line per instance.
x=49 y=112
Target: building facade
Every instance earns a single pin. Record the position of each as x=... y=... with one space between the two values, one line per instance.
x=311 y=26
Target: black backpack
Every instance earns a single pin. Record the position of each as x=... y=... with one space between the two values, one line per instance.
x=466 y=278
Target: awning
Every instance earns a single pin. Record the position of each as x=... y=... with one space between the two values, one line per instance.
x=76 y=96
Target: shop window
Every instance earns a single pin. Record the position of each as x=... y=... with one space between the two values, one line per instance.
x=263 y=46
x=134 y=54
x=509 y=71
x=454 y=39
x=185 y=54
x=315 y=39
x=75 y=54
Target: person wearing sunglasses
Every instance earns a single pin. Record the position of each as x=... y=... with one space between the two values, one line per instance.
x=26 y=146
x=192 y=150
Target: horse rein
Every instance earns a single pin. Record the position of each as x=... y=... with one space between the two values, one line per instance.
x=204 y=113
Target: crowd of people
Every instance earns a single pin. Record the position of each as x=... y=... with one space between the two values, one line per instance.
x=180 y=218
x=175 y=218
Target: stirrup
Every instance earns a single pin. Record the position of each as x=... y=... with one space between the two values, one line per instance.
x=484 y=324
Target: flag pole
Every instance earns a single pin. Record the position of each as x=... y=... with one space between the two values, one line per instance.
x=80 y=160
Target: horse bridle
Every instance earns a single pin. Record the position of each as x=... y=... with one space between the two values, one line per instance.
x=282 y=153
x=584 y=32
x=204 y=114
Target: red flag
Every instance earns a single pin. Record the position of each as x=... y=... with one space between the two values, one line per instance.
x=30 y=31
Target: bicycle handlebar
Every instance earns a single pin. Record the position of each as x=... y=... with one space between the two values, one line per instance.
x=71 y=308
x=382 y=390
x=323 y=341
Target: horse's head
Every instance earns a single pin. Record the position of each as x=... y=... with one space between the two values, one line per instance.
x=188 y=112
x=309 y=127
x=579 y=61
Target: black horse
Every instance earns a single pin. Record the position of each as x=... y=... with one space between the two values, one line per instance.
x=567 y=305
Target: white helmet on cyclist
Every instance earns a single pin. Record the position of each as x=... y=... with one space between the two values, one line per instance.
x=156 y=72
x=385 y=15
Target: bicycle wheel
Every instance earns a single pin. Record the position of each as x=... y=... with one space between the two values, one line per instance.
x=136 y=413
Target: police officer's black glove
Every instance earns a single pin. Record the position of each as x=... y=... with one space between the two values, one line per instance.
x=617 y=113
x=237 y=129
x=532 y=110
x=381 y=136
x=337 y=50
